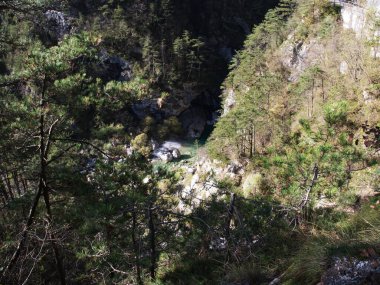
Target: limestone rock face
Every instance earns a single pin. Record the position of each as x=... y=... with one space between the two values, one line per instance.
x=184 y=104
x=226 y=53
x=298 y=56
x=368 y=97
x=230 y=101
x=146 y=107
x=200 y=183
x=180 y=100
x=154 y=144
x=343 y=68
x=355 y=18
x=354 y=15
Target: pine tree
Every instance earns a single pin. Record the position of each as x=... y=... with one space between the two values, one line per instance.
x=47 y=116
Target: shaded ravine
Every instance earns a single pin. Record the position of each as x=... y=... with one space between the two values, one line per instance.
x=223 y=26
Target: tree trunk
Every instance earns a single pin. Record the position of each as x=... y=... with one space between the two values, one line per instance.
x=310 y=188
x=323 y=90
x=8 y=185
x=254 y=139
x=24 y=234
x=16 y=181
x=3 y=198
x=44 y=149
x=33 y=208
x=136 y=247
x=312 y=98
x=152 y=234
x=4 y=191
x=163 y=59
x=250 y=144
x=57 y=254
x=230 y=215
x=24 y=185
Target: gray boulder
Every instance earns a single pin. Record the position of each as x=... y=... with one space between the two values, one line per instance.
x=163 y=154
x=114 y=68
x=351 y=271
x=57 y=25
x=176 y=153
x=168 y=151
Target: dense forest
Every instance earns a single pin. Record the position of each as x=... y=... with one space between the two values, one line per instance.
x=190 y=142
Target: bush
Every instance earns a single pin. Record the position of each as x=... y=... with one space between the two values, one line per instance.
x=141 y=144
x=148 y=124
x=174 y=125
x=336 y=113
x=308 y=264
x=169 y=127
x=108 y=131
x=162 y=131
x=253 y=184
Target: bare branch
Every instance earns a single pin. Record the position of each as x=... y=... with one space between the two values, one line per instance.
x=83 y=142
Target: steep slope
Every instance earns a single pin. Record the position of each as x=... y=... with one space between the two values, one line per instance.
x=301 y=112
x=317 y=78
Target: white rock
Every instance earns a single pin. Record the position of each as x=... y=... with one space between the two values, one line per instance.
x=343 y=68
x=167 y=157
x=147 y=179
x=190 y=170
x=154 y=144
x=128 y=151
x=368 y=97
x=176 y=153
x=194 y=181
x=275 y=281
x=230 y=101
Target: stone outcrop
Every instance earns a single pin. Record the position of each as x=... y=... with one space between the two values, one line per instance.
x=359 y=17
x=351 y=271
x=56 y=26
x=298 y=56
x=229 y=101
x=176 y=103
x=200 y=181
x=355 y=15
x=113 y=68
x=168 y=151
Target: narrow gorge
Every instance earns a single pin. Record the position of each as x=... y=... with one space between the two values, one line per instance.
x=156 y=142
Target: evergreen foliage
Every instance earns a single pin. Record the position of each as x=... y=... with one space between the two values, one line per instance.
x=83 y=200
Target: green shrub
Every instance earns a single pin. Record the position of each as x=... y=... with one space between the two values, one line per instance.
x=336 y=113
x=141 y=144
x=252 y=185
x=162 y=131
x=173 y=124
x=148 y=124
x=108 y=131
x=308 y=264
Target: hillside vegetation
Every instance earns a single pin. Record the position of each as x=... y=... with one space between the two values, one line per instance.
x=307 y=129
